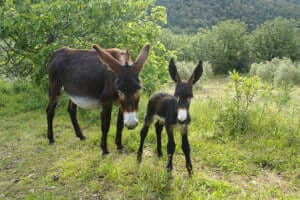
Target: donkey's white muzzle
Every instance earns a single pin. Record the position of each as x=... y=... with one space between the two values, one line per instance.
x=130 y=119
x=182 y=115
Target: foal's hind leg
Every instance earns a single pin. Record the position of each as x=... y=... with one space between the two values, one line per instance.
x=158 y=129
x=72 y=109
x=143 y=135
x=54 y=92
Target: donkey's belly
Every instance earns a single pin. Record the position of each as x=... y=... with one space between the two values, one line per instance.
x=85 y=102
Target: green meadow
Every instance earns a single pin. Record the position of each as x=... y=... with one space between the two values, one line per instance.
x=248 y=155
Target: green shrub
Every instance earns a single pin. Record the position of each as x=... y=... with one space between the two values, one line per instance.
x=234 y=114
x=277 y=71
x=274 y=38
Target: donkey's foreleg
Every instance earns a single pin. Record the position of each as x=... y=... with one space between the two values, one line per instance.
x=72 y=109
x=105 y=123
x=120 y=126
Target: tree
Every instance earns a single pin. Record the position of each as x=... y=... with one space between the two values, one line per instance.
x=226 y=47
x=33 y=29
x=275 y=38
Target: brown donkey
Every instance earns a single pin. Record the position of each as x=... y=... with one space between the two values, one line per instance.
x=172 y=110
x=94 y=79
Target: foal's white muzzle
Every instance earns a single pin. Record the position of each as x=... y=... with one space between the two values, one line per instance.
x=182 y=114
x=130 y=119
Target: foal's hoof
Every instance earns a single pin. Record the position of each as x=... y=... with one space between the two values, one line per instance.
x=139 y=158
x=51 y=141
x=105 y=153
x=159 y=154
x=82 y=137
x=121 y=149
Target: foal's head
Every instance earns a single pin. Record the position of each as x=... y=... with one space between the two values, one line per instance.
x=127 y=82
x=184 y=89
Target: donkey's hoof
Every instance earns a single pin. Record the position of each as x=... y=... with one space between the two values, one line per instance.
x=159 y=154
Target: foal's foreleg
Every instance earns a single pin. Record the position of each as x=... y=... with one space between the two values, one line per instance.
x=186 y=149
x=170 y=147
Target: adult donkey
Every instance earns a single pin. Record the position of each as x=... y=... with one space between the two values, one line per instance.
x=94 y=79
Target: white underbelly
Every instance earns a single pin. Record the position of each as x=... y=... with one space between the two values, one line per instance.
x=85 y=102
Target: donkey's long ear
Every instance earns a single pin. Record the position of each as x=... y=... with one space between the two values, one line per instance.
x=197 y=73
x=141 y=59
x=127 y=57
x=108 y=59
x=173 y=71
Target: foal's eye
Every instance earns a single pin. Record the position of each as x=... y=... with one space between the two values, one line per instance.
x=136 y=94
x=189 y=99
x=121 y=95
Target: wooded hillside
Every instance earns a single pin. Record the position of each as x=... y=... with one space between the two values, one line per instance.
x=189 y=15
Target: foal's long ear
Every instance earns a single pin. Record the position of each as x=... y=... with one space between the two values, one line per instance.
x=141 y=59
x=173 y=71
x=108 y=59
x=197 y=73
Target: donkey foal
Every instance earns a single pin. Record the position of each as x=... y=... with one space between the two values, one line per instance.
x=172 y=111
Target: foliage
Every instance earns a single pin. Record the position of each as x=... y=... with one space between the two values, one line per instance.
x=189 y=15
x=234 y=117
x=224 y=46
x=228 y=47
x=277 y=71
x=32 y=30
x=275 y=38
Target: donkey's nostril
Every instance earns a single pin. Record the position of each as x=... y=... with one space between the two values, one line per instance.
x=130 y=120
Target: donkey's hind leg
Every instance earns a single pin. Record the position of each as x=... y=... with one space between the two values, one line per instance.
x=54 y=92
x=72 y=109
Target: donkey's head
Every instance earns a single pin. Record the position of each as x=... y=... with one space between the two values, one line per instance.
x=184 y=89
x=127 y=82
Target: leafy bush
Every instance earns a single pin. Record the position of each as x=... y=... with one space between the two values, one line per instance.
x=275 y=38
x=32 y=30
x=277 y=71
x=228 y=47
x=234 y=114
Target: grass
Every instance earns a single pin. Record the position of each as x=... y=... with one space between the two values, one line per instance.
x=263 y=163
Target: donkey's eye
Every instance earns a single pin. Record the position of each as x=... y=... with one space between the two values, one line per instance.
x=121 y=95
x=136 y=94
